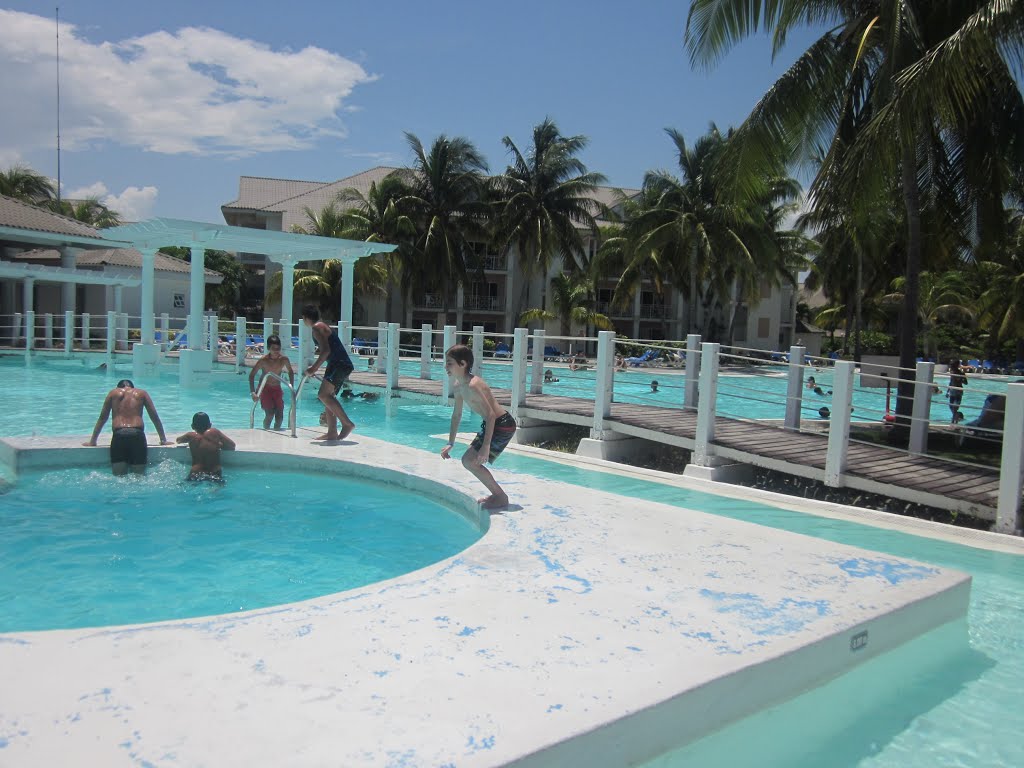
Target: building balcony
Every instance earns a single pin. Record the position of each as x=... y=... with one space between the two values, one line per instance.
x=608 y=310
x=495 y=264
x=483 y=304
x=431 y=301
x=653 y=311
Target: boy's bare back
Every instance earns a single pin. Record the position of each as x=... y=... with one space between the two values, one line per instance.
x=206 y=448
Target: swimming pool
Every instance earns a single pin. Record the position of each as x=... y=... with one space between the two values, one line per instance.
x=81 y=548
x=969 y=716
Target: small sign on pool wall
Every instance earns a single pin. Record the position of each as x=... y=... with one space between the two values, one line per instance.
x=859 y=641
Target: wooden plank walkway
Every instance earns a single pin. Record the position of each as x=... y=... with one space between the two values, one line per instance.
x=875 y=468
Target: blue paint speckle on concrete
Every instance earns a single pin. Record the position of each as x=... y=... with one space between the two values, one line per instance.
x=554 y=708
x=3 y=742
x=467 y=631
x=304 y=630
x=786 y=617
x=634 y=648
x=698 y=635
x=476 y=746
x=259 y=666
x=381 y=673
x=14 y=641
x=404 y=759
x=441 y=619
x=893 y=571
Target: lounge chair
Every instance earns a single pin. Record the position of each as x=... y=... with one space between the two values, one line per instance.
x=644 y=359
x=180 y=342
x=552 y=353
x=501 y=350
x=989 y=423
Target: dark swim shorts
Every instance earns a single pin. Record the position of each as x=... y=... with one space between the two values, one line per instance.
x=504 y=429
x=337 y=373
x=128 y=446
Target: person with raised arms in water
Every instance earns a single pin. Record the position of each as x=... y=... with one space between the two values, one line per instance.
x=497 y=428
x=128 y=448
x=205 y=443
x=272 y=396
x=339 y=368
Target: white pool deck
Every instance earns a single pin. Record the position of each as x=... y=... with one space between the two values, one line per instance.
x=581 y=629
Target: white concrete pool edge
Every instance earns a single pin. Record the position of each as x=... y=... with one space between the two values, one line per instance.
x=572 y=613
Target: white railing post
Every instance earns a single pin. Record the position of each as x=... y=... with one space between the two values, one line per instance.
x=426 y=349
x=69 y=332
x=1011 y=465
x=520 y=341
x=111 y=333
x=921 y=414
x=478 y=350
x=393 y=357
x=19 y=326
x=839 y=426
x=692 y=370
x=85 y=331
x=449 y=342
x=122 y=330
x=537 y=363
x=30 y=330
x=48 y=330
x=240 y=339
x=165 y=331
x=603 y=382
x=213 y=324
x=794 y=388
x=381 y=363
x=708 y=393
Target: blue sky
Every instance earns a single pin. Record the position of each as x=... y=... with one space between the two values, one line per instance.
x=165 y=105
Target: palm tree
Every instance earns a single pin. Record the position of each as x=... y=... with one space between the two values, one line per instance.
x=929 y=88
x=445 y=199
x=571 y=299
x=22 y=183
x=543 y=199
x=943 y=297
x=89 y=211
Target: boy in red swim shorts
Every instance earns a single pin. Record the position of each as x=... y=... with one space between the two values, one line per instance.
x=272 y=396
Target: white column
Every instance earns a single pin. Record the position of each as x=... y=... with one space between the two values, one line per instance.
x=921 y=415
x=344 y=333
x=28 y=297
x=392 y=362
x=240 y=343
x=537 y=367
x=603 y=382
x=165 y=330
x=146 y=292
x=839 y=428
x=67 y=291
x=706 y=404
x=196 y=298
x=478 y=349
x=30 y=330
x=519 y=344
x=111 y=332
x=426 y=349
x=692 y=370
x=48 y=330
x=348 y=271
x=287 y=297
x=380 y=364
x=85 y=331
x=794 y=389
x=449 y=342
x=69 y=332
x=1011 y=467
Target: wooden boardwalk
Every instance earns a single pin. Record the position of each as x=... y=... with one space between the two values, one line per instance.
x=873 y=468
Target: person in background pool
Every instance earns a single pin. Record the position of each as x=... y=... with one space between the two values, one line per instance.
x=128 y=448
x=654 y=386
x=339 y=368
x=272 y=396
x=205 y=443
x=549 y=377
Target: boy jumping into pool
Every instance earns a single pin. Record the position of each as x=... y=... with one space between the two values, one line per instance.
x=497 y=428
x=272 y=396
x=128 y=444
x=206 y=442
x=339 y=368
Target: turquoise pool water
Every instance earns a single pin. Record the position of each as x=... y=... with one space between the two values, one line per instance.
x=969 y=716
x=81 y=548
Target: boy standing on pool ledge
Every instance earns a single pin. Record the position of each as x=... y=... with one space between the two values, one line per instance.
x=497 y=428
x=339 y=368
x=128 y=448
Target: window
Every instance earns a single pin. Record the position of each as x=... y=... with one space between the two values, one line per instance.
x=764 y=325
x=179 y=301
x=766 y=289
x=740 y=325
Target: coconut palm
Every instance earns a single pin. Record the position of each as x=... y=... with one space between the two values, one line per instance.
x=945 y=296
x=89 y=211
x=571 y=297
x=929 y=86
x=22 y=183
x=543 y=199
x=444 y=198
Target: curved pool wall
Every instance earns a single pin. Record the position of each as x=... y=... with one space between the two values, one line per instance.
x=579 y=628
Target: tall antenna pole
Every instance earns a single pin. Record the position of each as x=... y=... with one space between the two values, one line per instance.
x=58 y=106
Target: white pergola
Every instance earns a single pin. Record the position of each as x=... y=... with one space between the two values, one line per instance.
x=284 y=248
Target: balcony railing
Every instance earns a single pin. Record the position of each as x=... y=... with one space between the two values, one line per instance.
x=484 y=303
x=653 y=311
x=430 y=301
x=496 y=263
x=606 y=308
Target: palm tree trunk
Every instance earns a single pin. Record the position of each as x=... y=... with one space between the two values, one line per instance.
x=911 y=293
x=859 y=319
x=691 y=305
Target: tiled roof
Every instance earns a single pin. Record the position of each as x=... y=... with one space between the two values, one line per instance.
x=294 y=207
x=15 y=213
x=256 y=193
x=116 y=257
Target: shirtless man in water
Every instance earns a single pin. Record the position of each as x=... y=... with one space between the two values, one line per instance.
x=206 y=442
x=497 y=428
x=128 y=444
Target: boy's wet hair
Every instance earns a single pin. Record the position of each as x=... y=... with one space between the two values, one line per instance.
x=311 y=312
x=125 y=384
x=201 y=422
x=460 y=353
x=273 y=341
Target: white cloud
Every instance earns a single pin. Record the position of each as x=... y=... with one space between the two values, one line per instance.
x=133 y=204
x=197 y=91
